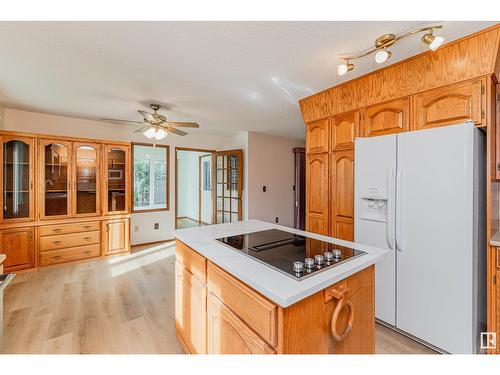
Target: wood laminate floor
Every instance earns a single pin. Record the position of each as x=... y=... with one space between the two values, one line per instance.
x=122 y=304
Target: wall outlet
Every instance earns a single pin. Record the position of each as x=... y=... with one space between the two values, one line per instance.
x=136 y=228
x=277 y=219
x=157 y=225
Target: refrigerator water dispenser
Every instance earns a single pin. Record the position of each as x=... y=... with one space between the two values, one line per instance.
x=374 y=209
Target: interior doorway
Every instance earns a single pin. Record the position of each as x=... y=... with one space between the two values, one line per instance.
x=193 y=187
x=208 y=186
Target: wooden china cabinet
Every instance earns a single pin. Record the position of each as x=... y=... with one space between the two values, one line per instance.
x=63 y=199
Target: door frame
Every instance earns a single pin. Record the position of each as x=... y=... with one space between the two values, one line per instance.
x=204 y=150
x=199 y=183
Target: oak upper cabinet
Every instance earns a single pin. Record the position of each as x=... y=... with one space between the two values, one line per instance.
x=448 y=105
x=19 y=247
x=86 y=179
x=317 y=136
x=343 y=130
x=117 y=179
x=342 y=194
x=317 y=193
x=18 y=163
x=116 y=236
x=190 y=310
x=54 y=159
x=387 y=118
x=228 y=334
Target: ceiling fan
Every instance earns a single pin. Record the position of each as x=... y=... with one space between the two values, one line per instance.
x=157 y=126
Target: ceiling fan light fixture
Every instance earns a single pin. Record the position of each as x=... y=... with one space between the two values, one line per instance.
x=150 y=133
x=382 y=56
x=160 y=134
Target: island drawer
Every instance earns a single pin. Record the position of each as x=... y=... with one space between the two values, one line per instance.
x=191 y=260
x=50 y=230
x=66 y=255
x=256 y=311
x=69 y=240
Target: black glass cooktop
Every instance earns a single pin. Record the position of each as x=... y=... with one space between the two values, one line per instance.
x=294 y=255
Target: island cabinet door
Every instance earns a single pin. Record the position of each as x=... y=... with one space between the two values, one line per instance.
x=190 y=310
x=228 y=334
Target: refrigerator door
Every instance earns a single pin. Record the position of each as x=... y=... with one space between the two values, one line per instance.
x=434 y=236
x=374 y=191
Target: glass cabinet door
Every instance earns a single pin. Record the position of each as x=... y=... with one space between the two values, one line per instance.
x=17 y=175
x=55 y=160
x=86 y=182
x=117 y=179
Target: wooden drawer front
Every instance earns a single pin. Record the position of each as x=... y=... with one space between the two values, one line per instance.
x=449 y=105
x=69 y=240
x=317 y=137
x=256 y=311
x=191 y=260
x=387 y=118
x=66 y=255
x=228 y=334
x=50 y=230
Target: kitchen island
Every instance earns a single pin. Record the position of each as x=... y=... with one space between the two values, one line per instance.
x=229 y=302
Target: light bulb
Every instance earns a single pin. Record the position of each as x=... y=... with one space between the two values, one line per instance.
x=436 y=43
x=160 y=134
x=382 y=56
x=344 y=68
x=150 y=133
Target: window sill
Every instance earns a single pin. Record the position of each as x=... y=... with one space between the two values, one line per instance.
x=146 y=210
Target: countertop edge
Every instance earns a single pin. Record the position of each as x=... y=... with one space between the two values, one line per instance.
x=339 y=274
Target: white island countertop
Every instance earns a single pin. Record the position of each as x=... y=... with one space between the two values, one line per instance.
x=276 y=286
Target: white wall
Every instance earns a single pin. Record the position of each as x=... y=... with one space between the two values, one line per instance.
x=206 y=195
x=267 y=160
x=270 y=163
x=142 y=224
x=188 y=183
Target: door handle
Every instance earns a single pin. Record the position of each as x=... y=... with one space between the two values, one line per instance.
x=390 y=218
x=399 y=210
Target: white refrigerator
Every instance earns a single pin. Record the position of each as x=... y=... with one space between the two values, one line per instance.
x=421 y=195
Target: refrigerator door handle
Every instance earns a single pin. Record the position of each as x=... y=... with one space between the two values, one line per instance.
x=399 y=226
x=390 y=217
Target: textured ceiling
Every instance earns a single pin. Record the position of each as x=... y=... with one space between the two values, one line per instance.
x=227 y=76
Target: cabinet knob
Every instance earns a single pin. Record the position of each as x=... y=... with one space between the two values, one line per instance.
x=56 y=230
x=87 y=238
x=87 y=227
x=56 y=242
x=57 y=257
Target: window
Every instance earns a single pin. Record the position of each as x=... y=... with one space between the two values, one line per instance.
x=206 y=175
x=150 y=171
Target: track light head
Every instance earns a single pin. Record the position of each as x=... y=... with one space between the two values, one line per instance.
x=344 y=68
x=382 y=56
x=434 y=42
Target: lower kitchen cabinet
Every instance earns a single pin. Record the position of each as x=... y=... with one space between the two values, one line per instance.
x=228 y=334
x=19 y=246
x=116 y=236
x=190 y=310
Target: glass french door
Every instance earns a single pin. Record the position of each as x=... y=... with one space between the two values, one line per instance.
x=227 y=174
x=86 y=179
x=55 y=178
x=17 y=178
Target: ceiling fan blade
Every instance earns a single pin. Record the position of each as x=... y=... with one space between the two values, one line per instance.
x=148 y=117
x=117 y=120
x=159 y=118
x=174 y=130
x=142 y=129
x=183 y=124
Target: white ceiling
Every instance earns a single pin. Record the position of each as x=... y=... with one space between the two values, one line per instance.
x=227 y=76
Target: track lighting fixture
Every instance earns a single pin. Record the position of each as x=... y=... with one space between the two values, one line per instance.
x=382 y=54
x=344 y=68
x=434 y=42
